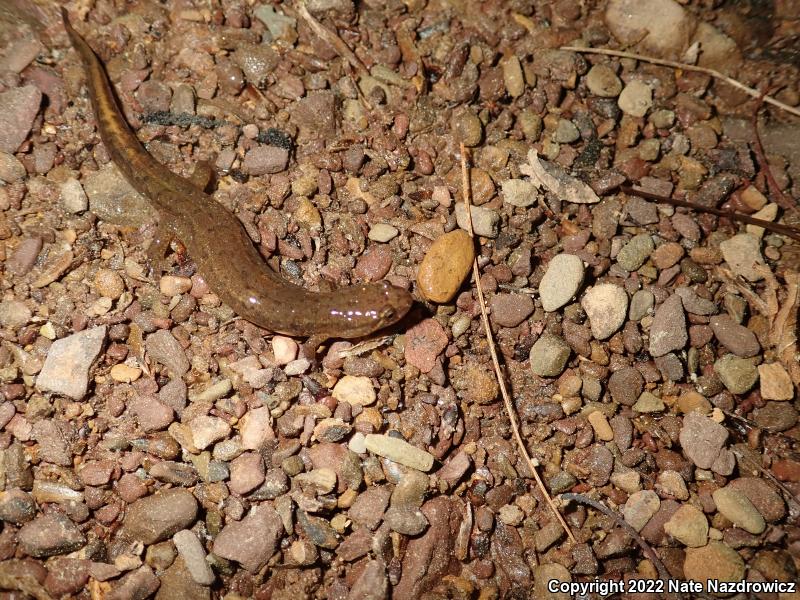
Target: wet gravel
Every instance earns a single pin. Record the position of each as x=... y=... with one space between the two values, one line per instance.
x=152 y=444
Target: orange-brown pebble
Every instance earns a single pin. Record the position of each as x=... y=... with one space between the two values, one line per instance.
x=109 y=284
x=446 y=265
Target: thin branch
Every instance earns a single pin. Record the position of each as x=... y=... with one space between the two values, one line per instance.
x=686 y=67
x=791 y=232
x=334 y=40
x=493 y=352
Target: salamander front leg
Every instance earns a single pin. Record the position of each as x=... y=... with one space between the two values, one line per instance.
x=157 y=251
x=202 y=175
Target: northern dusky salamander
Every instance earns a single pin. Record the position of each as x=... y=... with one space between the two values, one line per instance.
x=217 y=242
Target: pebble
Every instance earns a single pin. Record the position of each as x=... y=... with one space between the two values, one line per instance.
x=775 y=416
x=66 y=367
x=549 y=355
x=767 y=501
x=11 y=170
x=640 y=508
x=158 y=517
x=561 y=281
x=519 y=192
x=739 y=375
x=73 y=198
x=667 y=255
x=20 y=107
x=255 y=428
x=14 y=314
x=406 y=521
x=566 y=132
x=629 y=481
x=253 y=540
x=318 y=530
x=446 y=265
x=599 y=423
x=703 y=440
x=602 y=81
x=382 y=233
x=207 y=429
x=716 y=560
x=355 y=390
x=399 y=451
x=108 y=283
x=606 y=305
x=544 y=573
x=670 y=483
x=172 y=285
x=668 y=330
x=689 y=526
x=511 y=514
x=113 y=199
x=775 y=382
x=636 y=98
x=424 y=342
x=49 y=535
x=742 y=253
x=509 y=310
x=738 y=509
x=768 y=213
x=263 y=160
x=16 y=506
x=625 y=385
x=642 y=304
x=24 y=256
x=284 y=349
x=194 y=556
x=125 y=373
x=485 y=221
x=648 y=403
x=736 y=338
x=662 y=27
x=467 y=127
x=634 y=254
x=694 y=304
x=512 y=76
x=165 y=349
x=247 y=473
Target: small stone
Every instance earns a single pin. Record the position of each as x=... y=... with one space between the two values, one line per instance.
x=73 y=198
x=399 y=451
x=775 y=416
x=382 y=233
x=629 y=481
x=648 y=403
x=207 y=429
x=736 y=507
x=667 y=255
x=11 y=170
x=702 y=439
x=606 y=305
x=599 y=423
x=263 y=160
x=16 y=506
x=512 y=76
x=66 y=368
x=172 y=285
x=768 y=213
x=446 y=265
x=602 y=81
x=511 y=514
x=670 y=483
x=566 y=132
x=544 y=573
x=424 y=342
x=20 y=107
x=753 y=198
x=775 y=382
x=549 y=355
x=485 y=221
x=321 y=481
x=467 y=127
x=689 y=526
x=49 y=535
x=24 y=256
x=253 y=540
x=255 y=428
x=14 y=314
x=247 y=473
x=742 y=253
x=640 y=508
x=125 y=373
x=165 y=349
x=406 y=521
x=739 y=375
x=194 y=556
x=519 y=192
x=355 y=390
x=158 y=517
x=641 y=305
x=692 y=401
x=736 y=338
x=636 y=98
x=668 y=330
x=284 y=349
x=634 y=254
x=561 y=281
x=509 y=310
x=767 y=501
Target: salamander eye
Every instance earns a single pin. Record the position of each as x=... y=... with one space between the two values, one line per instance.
x=387 y=314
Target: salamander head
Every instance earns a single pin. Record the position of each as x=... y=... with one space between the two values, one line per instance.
x=398 y=303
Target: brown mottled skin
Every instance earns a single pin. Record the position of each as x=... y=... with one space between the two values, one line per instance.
x=219 y=245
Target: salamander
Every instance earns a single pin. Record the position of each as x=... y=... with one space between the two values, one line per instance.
x=218 y=243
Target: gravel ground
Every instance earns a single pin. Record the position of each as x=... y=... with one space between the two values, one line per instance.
x=152 y=444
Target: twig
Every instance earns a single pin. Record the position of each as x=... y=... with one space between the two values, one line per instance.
x=761 y=157
x=334 y=40
x=791 y=232
x=678 y=65
x=493 y=352
x=648 y=550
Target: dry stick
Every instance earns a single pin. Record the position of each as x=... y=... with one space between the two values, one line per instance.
x=791 y=232
x=334 y=40
x=780 y=197
x=648 y=550
x=490 y=340
x=678 y=65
